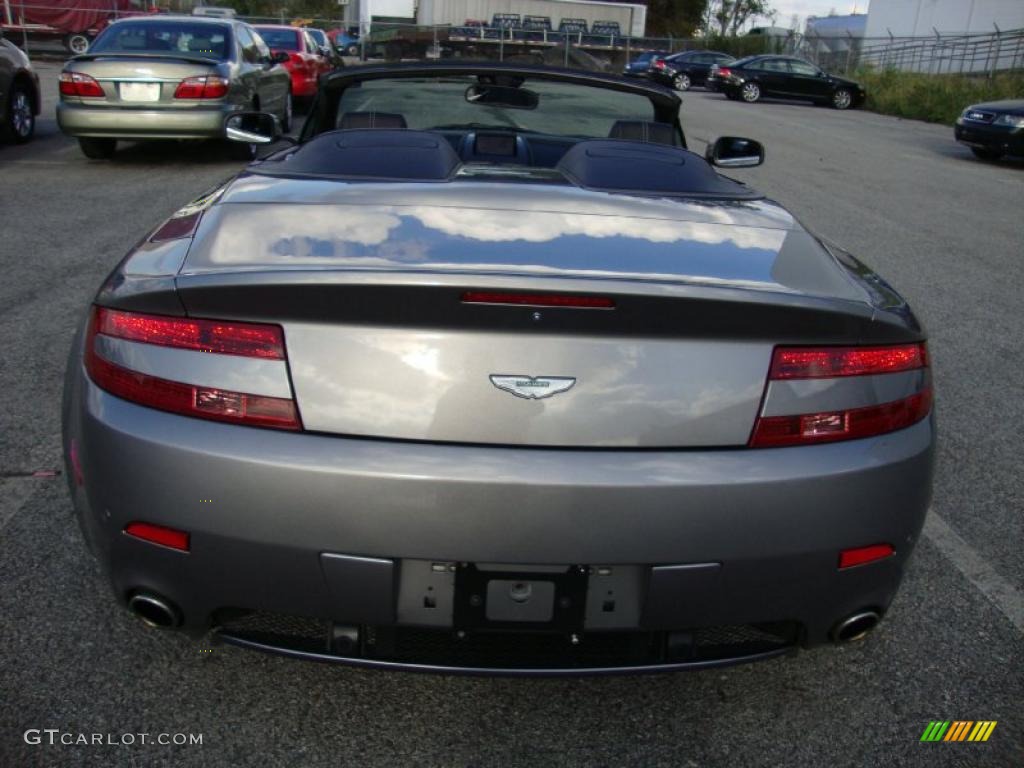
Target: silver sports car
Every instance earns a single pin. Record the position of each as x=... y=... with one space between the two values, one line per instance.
x=488 y=372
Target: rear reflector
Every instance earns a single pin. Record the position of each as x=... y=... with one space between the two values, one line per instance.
x=538 y=300
x=830 y=362
x=177 y=227
x=250 y=340
x=223 y=338
x=803 y=429
x=158 y=534
x=77 y=84
x=861 y=555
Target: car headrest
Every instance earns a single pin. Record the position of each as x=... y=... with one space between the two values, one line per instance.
x=350 y=120
x=622 y=165
x=643 y=130
x=370 y=155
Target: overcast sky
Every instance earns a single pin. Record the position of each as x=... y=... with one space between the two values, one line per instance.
x=805 y=8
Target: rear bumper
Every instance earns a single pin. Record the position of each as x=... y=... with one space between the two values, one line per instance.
x=262 y=507
x=205 y=122
x=997 y=138
x=303 y=85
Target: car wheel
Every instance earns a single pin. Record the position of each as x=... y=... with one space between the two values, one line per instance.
x=352 y=50
x=76 y=43
x=986 y=154
x=286 y=120
x=750 y=92
x=681 y=82
x=21 y=122
x=98 y=149
x=842 y=99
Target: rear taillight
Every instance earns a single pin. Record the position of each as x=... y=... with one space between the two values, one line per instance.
x=848 y=558
x=723 y=72
x=203 y=87
x=659 y=63
x=796 y=363
x=297 y=61
x=77 y=84
x=224 y=340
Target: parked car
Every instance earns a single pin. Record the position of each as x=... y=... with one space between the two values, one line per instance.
x=305 y=62
x=166 y=77
x=684 y=70
x=784 y=77
x=19 y=94
x=640 y=66
x=488 y=372
x=344 y=41
x=323 y=43
x=992 y=129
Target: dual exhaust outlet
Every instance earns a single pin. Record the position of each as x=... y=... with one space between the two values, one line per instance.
x=159 y=613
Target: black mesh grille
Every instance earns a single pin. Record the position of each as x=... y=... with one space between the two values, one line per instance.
x=514 y=650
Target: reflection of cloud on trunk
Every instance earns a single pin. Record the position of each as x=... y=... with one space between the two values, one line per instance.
x=535 y=227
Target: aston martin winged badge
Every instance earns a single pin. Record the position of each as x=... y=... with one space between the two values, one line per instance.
x=533 y=387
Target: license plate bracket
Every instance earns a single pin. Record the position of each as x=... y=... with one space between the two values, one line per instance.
x=528 y=600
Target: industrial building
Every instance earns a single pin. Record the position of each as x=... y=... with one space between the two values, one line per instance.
x=631 y=18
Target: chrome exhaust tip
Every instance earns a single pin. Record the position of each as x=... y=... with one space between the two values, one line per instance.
x=855 y=627
x=154 y=611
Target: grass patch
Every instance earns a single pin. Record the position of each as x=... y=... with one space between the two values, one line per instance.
x=934 y=98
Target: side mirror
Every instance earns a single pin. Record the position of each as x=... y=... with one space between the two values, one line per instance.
x=279 y=57
x=252 y=128
x=734 y=152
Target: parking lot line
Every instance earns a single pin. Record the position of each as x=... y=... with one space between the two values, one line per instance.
x=1007 y=598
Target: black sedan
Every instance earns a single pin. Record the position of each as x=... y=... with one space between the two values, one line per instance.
x=785 y=77
x=687 y=69
x=993 y=129
x=641 y=65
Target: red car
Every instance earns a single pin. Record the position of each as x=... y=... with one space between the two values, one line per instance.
x=305 y=62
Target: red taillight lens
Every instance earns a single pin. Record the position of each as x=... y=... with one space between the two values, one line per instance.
x=724 y=72
x=297 y=61
x=211 y=336
x=203 y=87
x=223 y=338
x=158 y=534
x=659 y=63
x=829 y=362
x=774 y=431
x=796 y=363
x=538 y=300
x=861 y=555
x=77 y=84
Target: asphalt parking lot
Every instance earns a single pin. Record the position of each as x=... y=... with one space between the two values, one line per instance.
x=946 y=229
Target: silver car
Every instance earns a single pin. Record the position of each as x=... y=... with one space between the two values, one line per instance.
x=489 y=373
x=169 y=77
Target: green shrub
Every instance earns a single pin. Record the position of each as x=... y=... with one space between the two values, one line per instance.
x=935 y=98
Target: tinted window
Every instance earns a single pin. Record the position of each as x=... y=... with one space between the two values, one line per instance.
x=157 y=36
x=802 y=68
x=281 y=39
x=775 y=65
x=250 y=52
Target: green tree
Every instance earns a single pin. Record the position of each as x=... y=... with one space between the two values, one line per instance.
x=675 y=18
x=728 y=17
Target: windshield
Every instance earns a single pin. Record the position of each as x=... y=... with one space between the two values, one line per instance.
x=280 y=39
x=563 y=109
x=318 y=36
x=159 y=36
